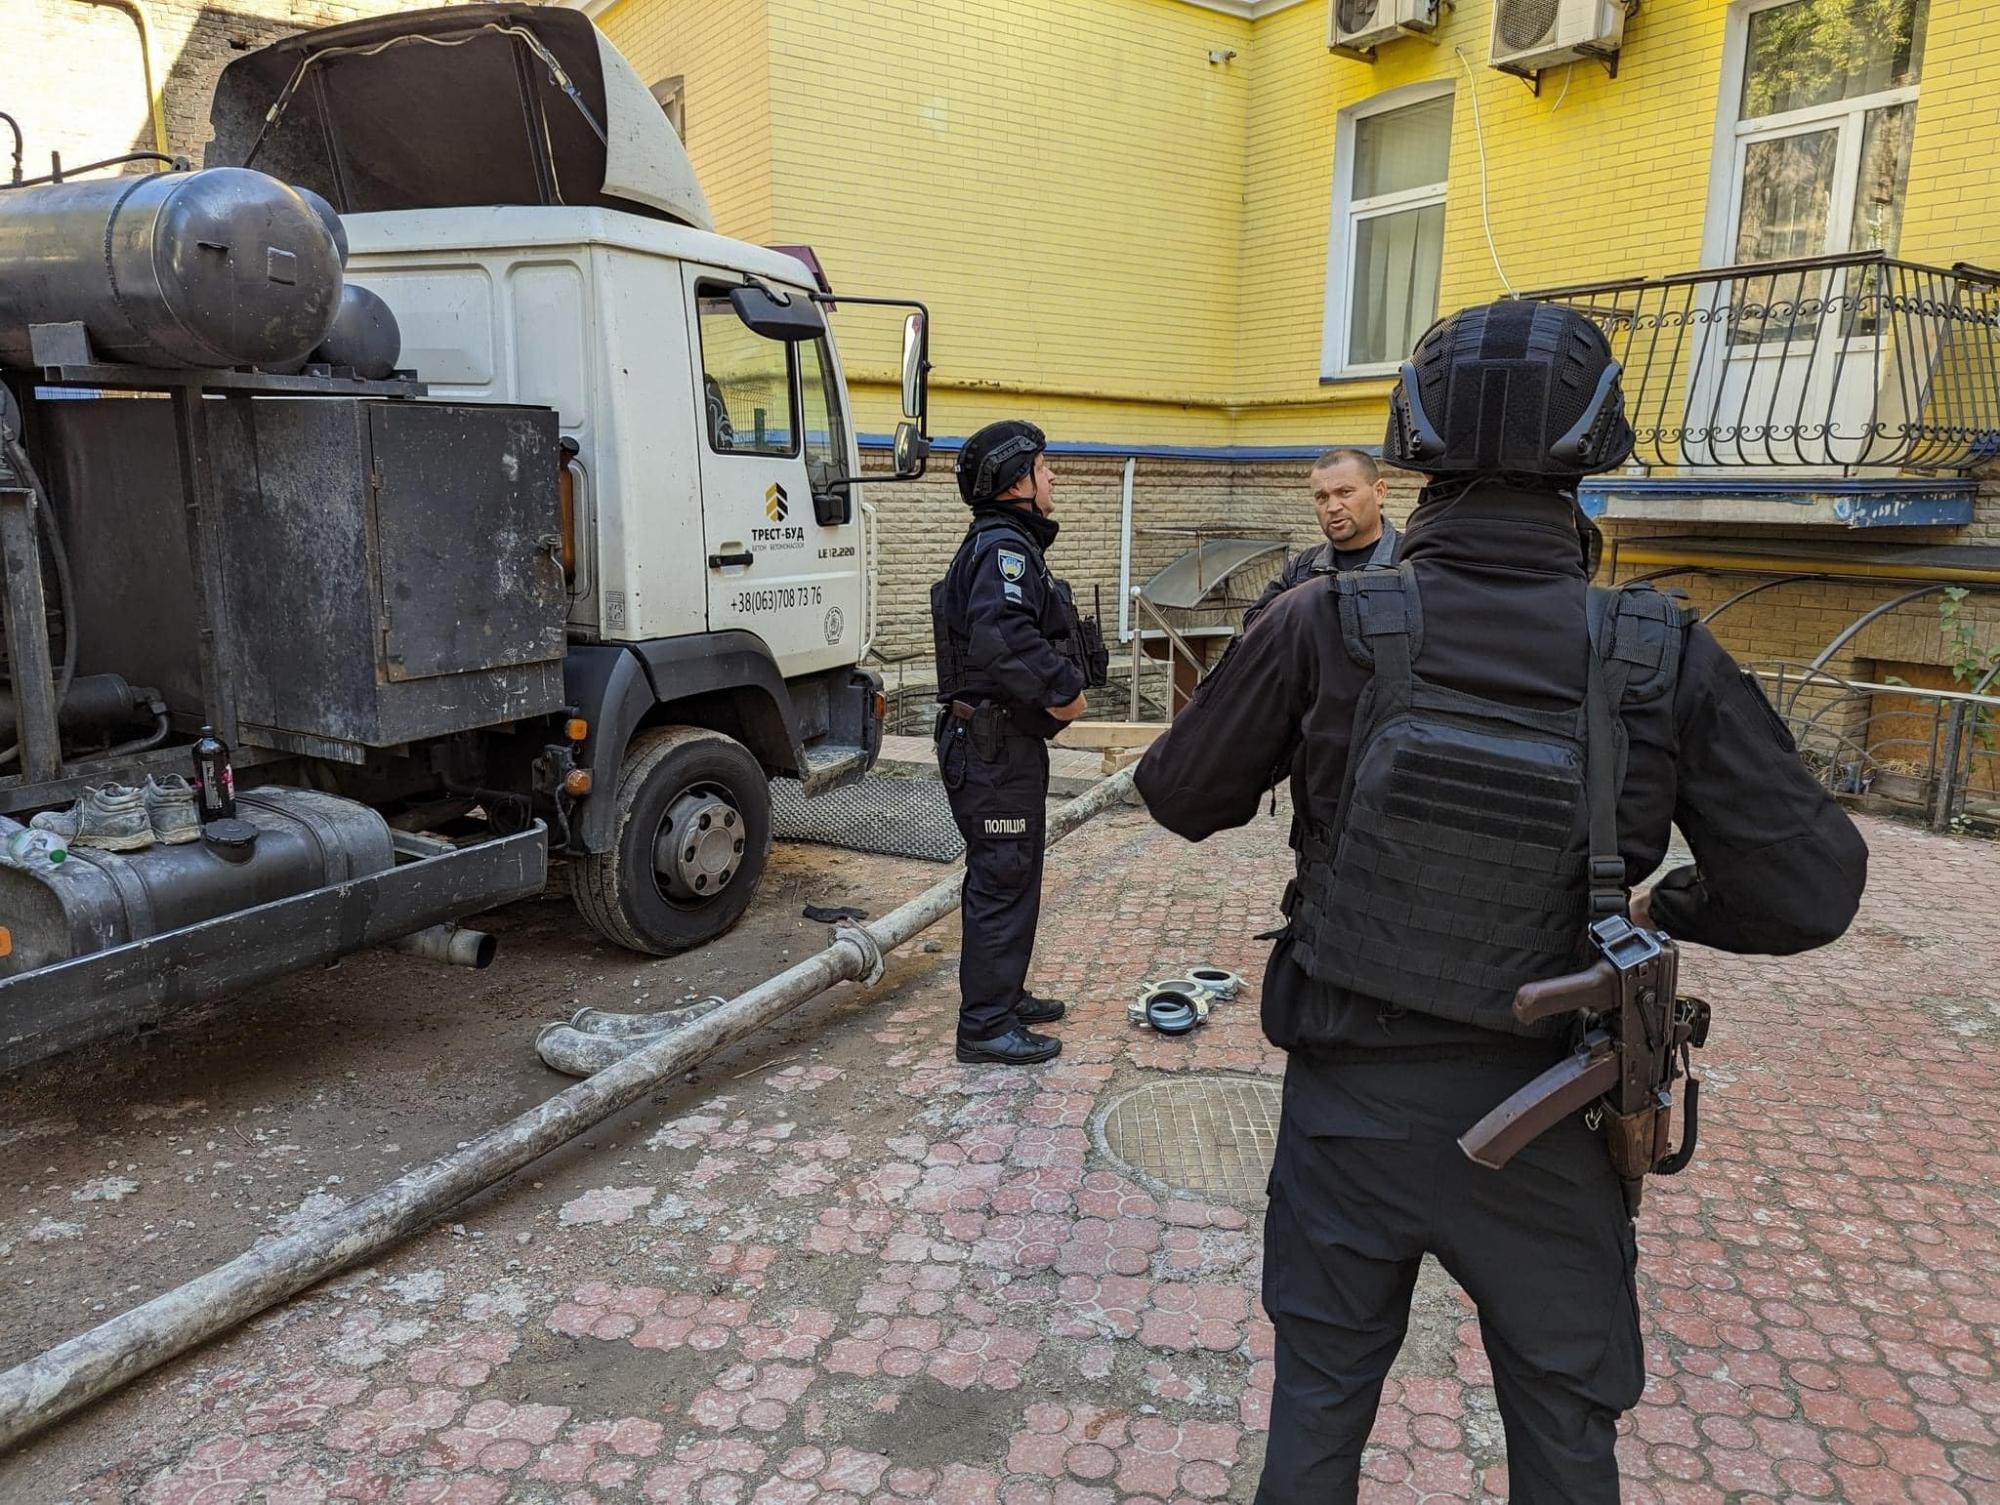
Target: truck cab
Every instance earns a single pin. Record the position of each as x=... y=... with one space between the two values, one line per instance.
x=487 y=503
x=534 y=224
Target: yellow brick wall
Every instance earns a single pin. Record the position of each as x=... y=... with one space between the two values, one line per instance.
x=1061 y=180
x=73 y=76
x=1596 y=178
x=1168 y=284
x=1287 y=201
x=722 y=50
x=1954 y=208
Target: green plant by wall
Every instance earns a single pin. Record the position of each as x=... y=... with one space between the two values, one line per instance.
x=1970 y=661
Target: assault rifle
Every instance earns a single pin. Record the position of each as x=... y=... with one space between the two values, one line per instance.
x=1636 y=1043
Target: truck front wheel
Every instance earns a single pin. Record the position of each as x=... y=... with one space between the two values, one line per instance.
x=690 y=835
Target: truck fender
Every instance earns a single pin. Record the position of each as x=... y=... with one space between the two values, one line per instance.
x=724 y=680
x=729 y=680
x=609 y=689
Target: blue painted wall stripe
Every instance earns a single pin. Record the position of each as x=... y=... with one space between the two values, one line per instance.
x=1221 y=454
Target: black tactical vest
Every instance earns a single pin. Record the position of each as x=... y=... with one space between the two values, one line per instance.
x=1474 y=841
x=1077 y=638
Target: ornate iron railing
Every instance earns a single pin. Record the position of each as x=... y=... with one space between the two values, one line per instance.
x=1932 y=753
x=1835 y=363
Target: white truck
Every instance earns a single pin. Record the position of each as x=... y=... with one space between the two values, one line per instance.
x=698 y=585
x=715 y=544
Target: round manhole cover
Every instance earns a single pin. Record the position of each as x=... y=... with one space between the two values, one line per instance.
x=1207 y=1134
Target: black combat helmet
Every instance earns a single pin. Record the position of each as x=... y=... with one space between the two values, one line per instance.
x=1516 y=388
x=996 y=457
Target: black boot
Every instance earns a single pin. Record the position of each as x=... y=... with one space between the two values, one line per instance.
x=1033 y=1010
x=1018 y=1047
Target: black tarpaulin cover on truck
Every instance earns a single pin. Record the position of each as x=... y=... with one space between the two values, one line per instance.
x=450 y=108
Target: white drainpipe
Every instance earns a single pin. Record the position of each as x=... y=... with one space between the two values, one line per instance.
x=1125 y=555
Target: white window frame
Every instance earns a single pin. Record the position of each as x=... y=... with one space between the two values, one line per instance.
x=671 y=96
x=1348 y=211
x=1735 y=135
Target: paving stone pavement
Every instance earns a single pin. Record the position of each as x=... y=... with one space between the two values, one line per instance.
x=875 y=1275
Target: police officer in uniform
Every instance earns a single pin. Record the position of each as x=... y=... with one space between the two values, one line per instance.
x=1348 y=492
x=1436 y=720
x=1014 y=661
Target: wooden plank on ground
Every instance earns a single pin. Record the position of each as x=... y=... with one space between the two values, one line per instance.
x=1110 y=734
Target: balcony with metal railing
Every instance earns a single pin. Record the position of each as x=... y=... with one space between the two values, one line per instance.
x=1855 y=390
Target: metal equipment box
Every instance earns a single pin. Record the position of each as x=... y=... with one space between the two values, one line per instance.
x=391 y=569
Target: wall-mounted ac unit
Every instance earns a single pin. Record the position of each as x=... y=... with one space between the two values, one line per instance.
x=1529 y=35
x=1360 y=26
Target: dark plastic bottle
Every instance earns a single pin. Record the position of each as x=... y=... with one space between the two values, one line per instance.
x=214 y=779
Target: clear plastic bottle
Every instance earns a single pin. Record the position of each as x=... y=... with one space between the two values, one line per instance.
x=36 y=849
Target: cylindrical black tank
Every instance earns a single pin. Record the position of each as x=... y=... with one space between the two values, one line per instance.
x=328 y=216
x=364 y=336
x=96 y=703
x=224 y=267
x=304 y=840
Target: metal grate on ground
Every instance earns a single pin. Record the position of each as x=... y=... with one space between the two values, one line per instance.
x=1211 y=1134
x=896 y=817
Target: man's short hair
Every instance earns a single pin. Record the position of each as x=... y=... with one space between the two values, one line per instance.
x=1359 y=458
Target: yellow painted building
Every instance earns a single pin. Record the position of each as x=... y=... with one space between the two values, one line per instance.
x=1194 y=241
x=1155 y=221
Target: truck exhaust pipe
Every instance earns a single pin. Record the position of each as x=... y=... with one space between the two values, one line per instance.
x=69 y=1376
x=453 y=945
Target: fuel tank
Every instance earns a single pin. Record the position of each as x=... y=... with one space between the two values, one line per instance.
x=94 y=900
x=365 y=337
x=218 y=268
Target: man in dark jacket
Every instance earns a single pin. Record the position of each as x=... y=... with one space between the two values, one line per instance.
x=1348 y=492
x=1011 y=672
x=1437 y=874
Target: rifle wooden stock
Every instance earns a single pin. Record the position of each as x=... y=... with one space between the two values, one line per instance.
x=1565 y=1088
x=1596 y=986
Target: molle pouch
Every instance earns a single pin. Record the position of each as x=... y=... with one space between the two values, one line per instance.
x=1096 y=657
x=1078 y=638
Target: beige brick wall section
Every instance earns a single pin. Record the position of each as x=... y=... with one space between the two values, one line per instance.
x=920 y=526
x=71 y=70
x=1795 y=622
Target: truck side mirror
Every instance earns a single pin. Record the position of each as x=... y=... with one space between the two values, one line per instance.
x=912 y=451
x=791 y=317
x=916 y=368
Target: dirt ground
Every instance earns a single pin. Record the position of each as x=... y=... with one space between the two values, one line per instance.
x=169 y=1152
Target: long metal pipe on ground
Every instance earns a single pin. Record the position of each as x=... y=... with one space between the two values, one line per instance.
x=93 y=1364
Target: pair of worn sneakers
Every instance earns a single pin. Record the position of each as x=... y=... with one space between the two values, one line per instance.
x=119 y=818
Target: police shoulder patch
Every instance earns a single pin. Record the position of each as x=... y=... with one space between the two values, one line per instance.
x=1013 y=565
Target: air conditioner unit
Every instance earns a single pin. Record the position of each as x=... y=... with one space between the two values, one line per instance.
x=1529 y=35
x=1360 y=26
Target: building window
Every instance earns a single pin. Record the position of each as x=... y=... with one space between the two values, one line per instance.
x=1387 y=246
x=672 y=95
x=1812 y=165
x=1825 y=118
